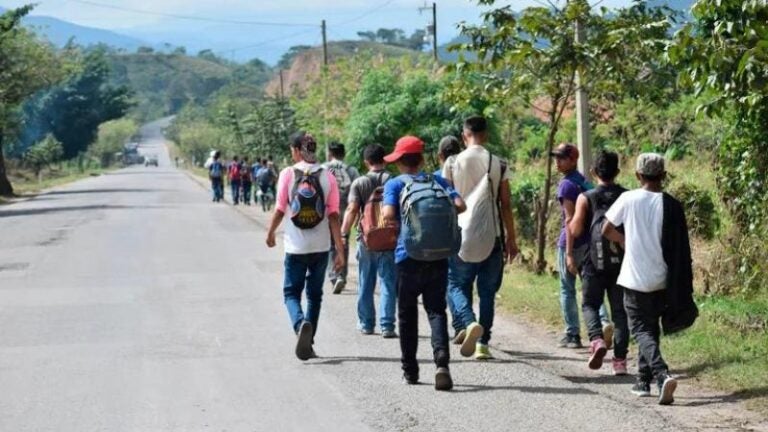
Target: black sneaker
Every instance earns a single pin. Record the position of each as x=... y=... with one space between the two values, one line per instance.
x=388 y=334
x=667 y=386
x=641 y=388
x=304 y=341
x=410 y=379
x=443 y=379
x=574 y=341
x=564 y=341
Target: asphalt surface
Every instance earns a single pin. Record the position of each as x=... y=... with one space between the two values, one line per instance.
x=130 y=302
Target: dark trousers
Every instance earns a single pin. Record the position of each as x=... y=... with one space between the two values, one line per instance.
x=594 y=288
x=428 y=279
x=246 y=197
x=235 y=186
x=644 y=311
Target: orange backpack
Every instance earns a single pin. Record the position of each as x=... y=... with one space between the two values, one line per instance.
x=378 y=236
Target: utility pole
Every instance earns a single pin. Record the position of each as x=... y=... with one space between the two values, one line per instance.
x=325 y=46
x=432 y=29
x=582 y=113
x=282 y=88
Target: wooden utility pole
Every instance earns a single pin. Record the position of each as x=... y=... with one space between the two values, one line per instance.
x=282 y=84
x=325 y=46
x=583 y=139
x=434 y=30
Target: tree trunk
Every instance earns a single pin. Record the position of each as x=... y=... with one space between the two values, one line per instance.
x=543 y=216
x=6 y=188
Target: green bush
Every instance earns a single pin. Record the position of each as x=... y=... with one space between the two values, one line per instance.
x=700 y=210
x=526 y=197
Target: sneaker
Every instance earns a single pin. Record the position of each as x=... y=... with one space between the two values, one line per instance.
x=482 y=352
x=619 y=366
x=563 y=343
x=365 y=331
x=313 y=354
x=574 y=341
x=389 y=334
x=459 y=338
x=443 y=380
x=410 y=379
x=598 y=350
x=641 y=388
x=608 y=334
x=304 y=341
x=339 y=285
x=667 y=386
x=473 y=333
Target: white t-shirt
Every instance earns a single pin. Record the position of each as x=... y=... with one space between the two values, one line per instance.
x=468 y=168
x=642 y=214
x=313 y=240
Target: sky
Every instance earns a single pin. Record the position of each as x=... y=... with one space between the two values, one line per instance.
x=298 y=20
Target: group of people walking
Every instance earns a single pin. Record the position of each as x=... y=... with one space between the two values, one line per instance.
x=440 y=235
x=245 y=180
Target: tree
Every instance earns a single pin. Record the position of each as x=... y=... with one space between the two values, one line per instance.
x=367 y=35
x=112 y=137
x=43 y=154
x=26 y=66
x=417 y=40
x=287 y=59
x=533 y=55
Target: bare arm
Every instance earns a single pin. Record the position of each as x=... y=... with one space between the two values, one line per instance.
x=508 y=218
x=577 y=225
x=335 y=224
x=569 y=208
x=277 y=218
x=350 y=217
x=460 y=205
x=611 y=233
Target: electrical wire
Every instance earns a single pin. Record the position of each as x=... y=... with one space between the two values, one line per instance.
x=267 y=42
x=191 y=17
x=365 y=14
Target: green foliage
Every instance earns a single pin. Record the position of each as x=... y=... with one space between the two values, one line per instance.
x=700 y=209
x=44 y=153
x=526 y=200
x=111 y=139
x=396 y=36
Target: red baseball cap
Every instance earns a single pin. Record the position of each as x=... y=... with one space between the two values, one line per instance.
x=565 y=150
x=405 y=145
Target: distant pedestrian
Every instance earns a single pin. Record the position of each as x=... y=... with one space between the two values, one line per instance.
x=375 y=258
x=602 y=264
x=656 y=273
x=308 y=194
x=488 y=237
x=216 y=175
x=426 y=209
x=266 y=179
x=234 y=179
x=246 y=181
x=571 y=251
x=345 y=175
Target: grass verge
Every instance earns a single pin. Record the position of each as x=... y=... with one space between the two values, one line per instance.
x=727 y=348
x=25 y=184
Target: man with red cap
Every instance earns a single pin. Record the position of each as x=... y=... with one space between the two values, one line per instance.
x=421 y=254
x=572 y=251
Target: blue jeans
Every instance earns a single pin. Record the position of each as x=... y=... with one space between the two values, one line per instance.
x=217 y=185
x=461 y=278
x=369 y=266
x=235 y=185
x=568 y=304
x=304 y=272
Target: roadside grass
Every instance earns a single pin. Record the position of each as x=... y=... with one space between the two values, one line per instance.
x=727 y=348
x=25 y=184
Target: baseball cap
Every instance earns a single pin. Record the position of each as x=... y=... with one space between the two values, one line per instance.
x=566 y=150
x=405 y=145
x=650 y=164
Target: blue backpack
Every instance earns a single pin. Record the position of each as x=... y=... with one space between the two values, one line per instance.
x=216 y=169
x=430 y=225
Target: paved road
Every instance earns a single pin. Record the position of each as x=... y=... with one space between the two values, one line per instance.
x=130 y=302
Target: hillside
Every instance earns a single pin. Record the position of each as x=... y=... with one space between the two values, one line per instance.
x=60 y=32
x=309 y=62
x=164 y=83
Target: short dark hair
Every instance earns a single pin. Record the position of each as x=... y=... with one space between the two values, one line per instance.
x=448 y=147
x=337 y=149
x=476 y=124
x=652 y=179
x=374 y=154
x=263 y=161
x=411 y=160
x=304 y=141
x=606 y=165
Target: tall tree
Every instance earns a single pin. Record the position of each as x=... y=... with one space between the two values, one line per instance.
x=26 y=66
x=533 y=55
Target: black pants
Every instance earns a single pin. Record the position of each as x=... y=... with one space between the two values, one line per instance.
x=594 y=288
x=428 y=279
x=644 y=311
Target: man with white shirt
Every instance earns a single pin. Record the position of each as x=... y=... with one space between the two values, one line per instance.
x=644 y=271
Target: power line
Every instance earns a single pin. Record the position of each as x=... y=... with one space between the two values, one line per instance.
x=269 y=41
x=365 y=14
x=191 y=17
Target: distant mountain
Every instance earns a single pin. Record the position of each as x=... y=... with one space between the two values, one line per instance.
x=60 y=32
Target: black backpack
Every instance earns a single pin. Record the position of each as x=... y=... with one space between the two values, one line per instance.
x=307 y=199
x=605 y=255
